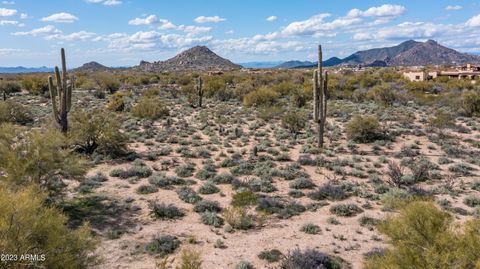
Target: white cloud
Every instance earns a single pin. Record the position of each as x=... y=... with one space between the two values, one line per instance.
x=8 y=2
x=105 y=2
x=272 y=18
x=61 y=17
x=151 y=40
x=152 y=19
x=317 y=25
x=474 y=21
x=46 y=30
x=9 y=51
x=381 y=11
x=230 y=32
x=76 y=36
x=205 y=19
x=457 y=7
x=23 y=16
x=5 y=22
x=5 y=12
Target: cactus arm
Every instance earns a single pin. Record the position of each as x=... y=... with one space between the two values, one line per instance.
x=53 y=97
x=315 y=95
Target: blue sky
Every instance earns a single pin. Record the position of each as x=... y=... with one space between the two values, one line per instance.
x=123 y=32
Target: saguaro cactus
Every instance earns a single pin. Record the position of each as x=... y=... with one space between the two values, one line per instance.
x=63 y=90
x=320 y=83
x=199 y=88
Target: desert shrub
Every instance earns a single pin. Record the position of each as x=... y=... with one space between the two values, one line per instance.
x=211 y=219
x=13 y=112
x=395 y=198
x=97 y=131
x=261 y=97
x=383 y=93
x=309 y=259
x=107 y=82
x=302 y=183
x=244 y=265
x=238 y=218
x=185 y=170
x=294 y=120
x=27 y=226
x=150 y=108
x=364 y=129
x=441 y=119
x=37 y=156
x=35 y=84
x=273 y=255
x=311 y=228
x=223 y=178
x=471 y=102
x=423 y=236
x=205 y=205
x=190 y=259
x=368 y=221
x=208 y=188
x=461 y=169
x=244 y=198
x=117 y=102
x=146 y=189
x=164 y=211
x=162 y=245
x=345 y=210
x=472 y=200
x=165 y=182
x=328 y=191
x=188 y=195
x=9 y=87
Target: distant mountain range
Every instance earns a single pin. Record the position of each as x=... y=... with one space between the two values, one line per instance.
x=21 y=69
x=261 y=64
x=198 y=58
x=201 y=58
x=408 y=53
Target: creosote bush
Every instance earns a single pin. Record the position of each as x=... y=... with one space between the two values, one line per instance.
x=29 y=227
x=97 y=131
x=150 y=108
x=13 y=112
x=423 y=236
x=364 y=129
x=309 y=259
x=37 y=156
x=261 y=97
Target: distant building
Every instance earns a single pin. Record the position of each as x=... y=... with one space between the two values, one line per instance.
x=468 y=71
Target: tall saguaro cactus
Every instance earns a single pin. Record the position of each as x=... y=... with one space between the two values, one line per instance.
x=320 y=83
x=199 y=88
x=63 y=90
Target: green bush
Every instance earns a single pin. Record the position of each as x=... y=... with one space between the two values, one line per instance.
x=441 y=119
x=9 y=87
x=471 y=102
x=29 y=227
x=309 y=259
x=13 y=112
x=35 y=84
x=36 y=156
x=294 y=120
x=97 y=131
x=345 y=210
x=383 y=94
x=117 y=102
x=270 y=256
x=423 y=236
x=261 y=97
x=150 y=108
x=364 y=129
x=107 y=82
